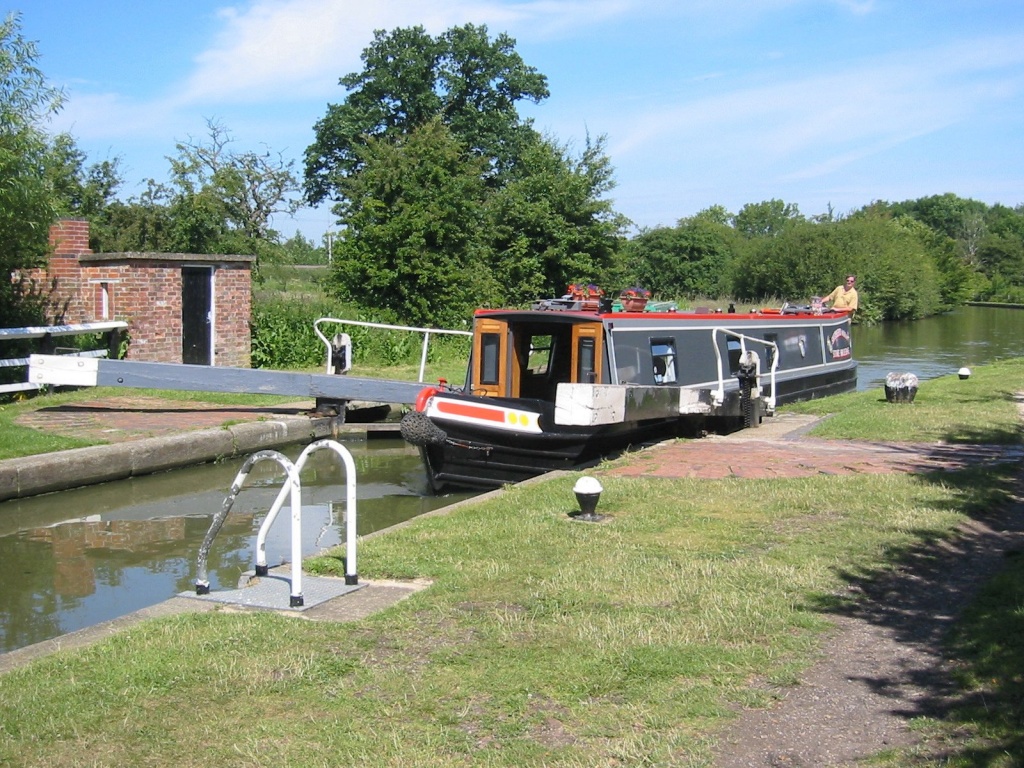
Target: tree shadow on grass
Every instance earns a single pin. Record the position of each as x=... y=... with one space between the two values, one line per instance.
x=958 y=599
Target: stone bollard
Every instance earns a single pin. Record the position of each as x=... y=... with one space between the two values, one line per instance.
x=900 y=387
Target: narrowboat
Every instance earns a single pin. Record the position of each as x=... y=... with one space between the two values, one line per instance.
x=572 y=380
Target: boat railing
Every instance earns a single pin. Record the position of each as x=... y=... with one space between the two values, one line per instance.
x=332 y=347
x=719 y=395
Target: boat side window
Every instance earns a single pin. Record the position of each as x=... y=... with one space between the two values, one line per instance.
x=539 y=359
x=586 y=365
x=490 y=344
x=663 y=359
x=735 y=350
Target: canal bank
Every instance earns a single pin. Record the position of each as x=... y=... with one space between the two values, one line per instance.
x=144 y=435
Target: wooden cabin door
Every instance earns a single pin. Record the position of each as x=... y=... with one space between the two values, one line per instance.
x=587 y=353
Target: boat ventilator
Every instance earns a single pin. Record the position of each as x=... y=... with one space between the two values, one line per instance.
x=292 y=490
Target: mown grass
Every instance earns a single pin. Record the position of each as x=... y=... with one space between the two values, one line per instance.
x=980 y=409
x=545 y=641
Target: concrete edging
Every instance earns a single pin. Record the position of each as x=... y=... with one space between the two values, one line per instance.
x=62 y=470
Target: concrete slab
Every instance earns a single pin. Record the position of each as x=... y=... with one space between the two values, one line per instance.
x=273 y=592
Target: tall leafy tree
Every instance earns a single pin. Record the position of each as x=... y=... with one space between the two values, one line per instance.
x=766 y=219
x=551 y=224
x=27 y=205
x=413 y=214
x=217 y=200
x=691 y=259
x=465 y=79
x=533 y=217
x=80 y=189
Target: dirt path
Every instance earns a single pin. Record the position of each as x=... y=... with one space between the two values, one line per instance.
x=883 y=665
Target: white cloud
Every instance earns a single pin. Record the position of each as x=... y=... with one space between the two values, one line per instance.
x=300 y=48
x=825 y=122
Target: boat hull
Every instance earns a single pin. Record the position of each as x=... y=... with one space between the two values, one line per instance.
x=482 y=458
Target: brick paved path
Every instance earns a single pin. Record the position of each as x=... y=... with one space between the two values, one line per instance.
x=748 y=455
x=119 y=419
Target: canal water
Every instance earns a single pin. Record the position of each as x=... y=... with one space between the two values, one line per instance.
x=937 y=346
x=73 y=559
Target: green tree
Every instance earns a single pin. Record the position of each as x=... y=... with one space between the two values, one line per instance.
x=766 y=219
x=222 y=200
x=413 y=215
x=216 y=200
x=27 y=205
x=80 y=190
x=550 y=223
x=520 y=215
x=142 y=223
x=897 y=276
x=691 y=259
x=469 y=82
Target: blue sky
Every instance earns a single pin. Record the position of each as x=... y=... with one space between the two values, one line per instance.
x=821 y=103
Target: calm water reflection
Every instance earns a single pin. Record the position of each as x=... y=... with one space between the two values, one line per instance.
x=76 y=558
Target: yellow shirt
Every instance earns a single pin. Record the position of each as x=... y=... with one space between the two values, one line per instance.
x=842 y=298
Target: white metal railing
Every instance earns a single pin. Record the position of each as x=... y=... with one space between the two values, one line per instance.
x=343 y=453
x=49 y=331
x=382 y=326
x=718 y=396
x=292 y=490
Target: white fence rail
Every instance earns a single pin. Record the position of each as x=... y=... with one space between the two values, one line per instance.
x=46 y=334
x=346 y=364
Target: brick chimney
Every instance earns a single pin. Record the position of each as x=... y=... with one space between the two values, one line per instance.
x=69 y=238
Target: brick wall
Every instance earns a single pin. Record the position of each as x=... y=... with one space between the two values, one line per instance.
x=144 y=289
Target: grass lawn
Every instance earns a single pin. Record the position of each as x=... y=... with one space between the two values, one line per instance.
x=547 y=642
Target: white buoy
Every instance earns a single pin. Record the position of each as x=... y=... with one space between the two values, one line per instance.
x=964 y=373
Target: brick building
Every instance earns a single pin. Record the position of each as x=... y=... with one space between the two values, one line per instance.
x=180 y=307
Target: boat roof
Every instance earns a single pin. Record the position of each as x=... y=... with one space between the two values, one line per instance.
x=570 y=310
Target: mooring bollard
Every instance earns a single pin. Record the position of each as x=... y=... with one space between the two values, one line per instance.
x=900 y=387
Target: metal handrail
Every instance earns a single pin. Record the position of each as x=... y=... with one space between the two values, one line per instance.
x=292 y=488
x=351 y=574
x=383 y=326
x=718 y=396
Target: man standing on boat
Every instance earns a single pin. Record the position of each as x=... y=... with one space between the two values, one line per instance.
x=844 y=296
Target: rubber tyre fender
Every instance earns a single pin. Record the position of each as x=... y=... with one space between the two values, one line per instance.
x=418 y=429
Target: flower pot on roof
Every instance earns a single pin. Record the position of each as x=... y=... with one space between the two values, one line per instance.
x=634 y=299
x=588 y=295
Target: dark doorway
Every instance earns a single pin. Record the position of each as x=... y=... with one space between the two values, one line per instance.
x=196 y=315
